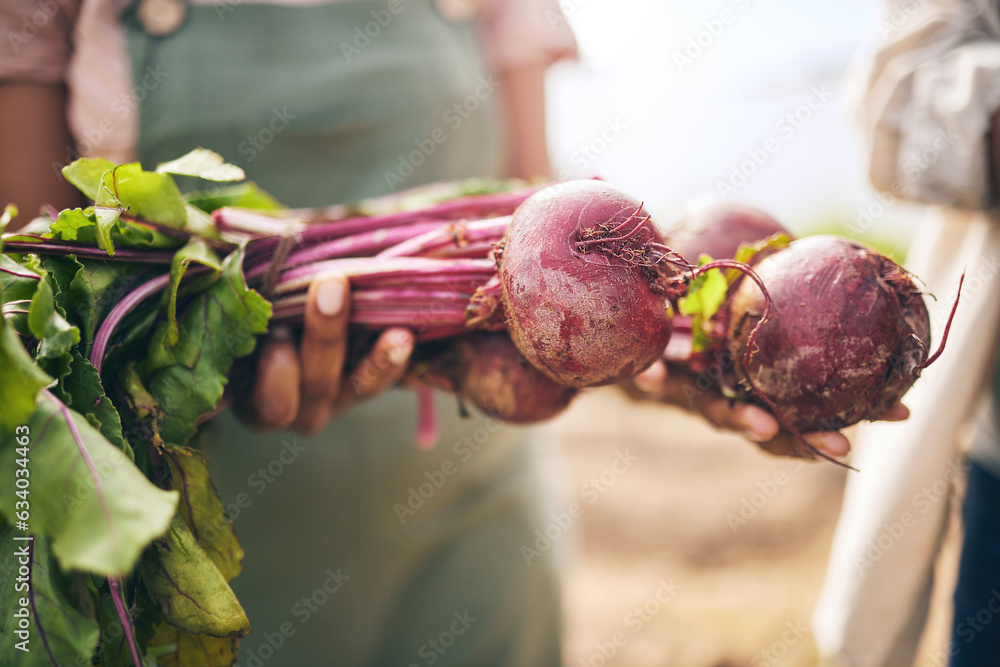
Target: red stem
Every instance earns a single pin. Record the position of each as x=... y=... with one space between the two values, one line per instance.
x=947 y=327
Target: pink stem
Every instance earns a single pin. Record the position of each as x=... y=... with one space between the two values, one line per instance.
x=114 y=584
x=406 y=267
x=428 y=430
x=454 y=236
x=358 y=245
x=121 y=309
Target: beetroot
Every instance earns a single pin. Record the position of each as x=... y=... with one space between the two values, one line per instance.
x=487 y=370
x=718 y=230
x=584 y=274
x=847 y=339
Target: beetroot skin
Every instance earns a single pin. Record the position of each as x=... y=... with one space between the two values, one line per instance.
x=493 y=375
x=485 y=369
x=584 y=284
x=847 y=335
x=718 y=230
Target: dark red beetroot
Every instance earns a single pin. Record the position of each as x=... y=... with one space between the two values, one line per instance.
x=487 y=370
x=847 y=336
x=584 y=282
x=718 y=230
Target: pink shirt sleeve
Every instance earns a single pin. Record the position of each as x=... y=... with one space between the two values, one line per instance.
x=517 y=33
x=35 y=39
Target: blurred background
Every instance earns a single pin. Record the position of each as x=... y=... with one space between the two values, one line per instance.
x=704 y=551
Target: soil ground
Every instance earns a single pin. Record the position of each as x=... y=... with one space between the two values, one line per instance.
x=695 y=549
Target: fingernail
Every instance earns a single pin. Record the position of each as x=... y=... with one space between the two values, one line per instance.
x=400 y=347
x=749 y=434
x=330 y=297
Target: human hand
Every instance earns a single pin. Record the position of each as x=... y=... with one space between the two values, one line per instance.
x=303 y=387
x=754 y=423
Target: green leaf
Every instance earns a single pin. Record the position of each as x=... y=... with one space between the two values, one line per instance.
x=43 y=307
x=747 y=251
x=243 y=195
x=58 y=633
x=82 y=390
x=71 y=222
x=105 y=219
x=20 y=381
x=150 y=196
x=86 y=494
x=175 y=648
x=705 y=295
x=203 y=163
x=203 y=511
x=16 y=280
x=189 y=588
x=56 y=336
x=9 y=213
x=92 y=292
x=82 y=226
x=217 y=326
x=196 y=251
x=107 y=210
x=146 y=194
x=17 y=287
x=85 y=173
x=201 y=224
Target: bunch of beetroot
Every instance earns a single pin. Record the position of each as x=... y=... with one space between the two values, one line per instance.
x=579 y=288
x=848 y=332
x=121 y=322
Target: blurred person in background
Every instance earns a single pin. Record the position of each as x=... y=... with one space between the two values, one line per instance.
x=928 y=109
x=323 y=102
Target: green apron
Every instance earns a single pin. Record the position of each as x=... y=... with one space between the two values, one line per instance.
x=360 y=550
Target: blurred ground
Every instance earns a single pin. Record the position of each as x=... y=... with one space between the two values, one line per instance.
x=688 y=547
x=700 y=551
